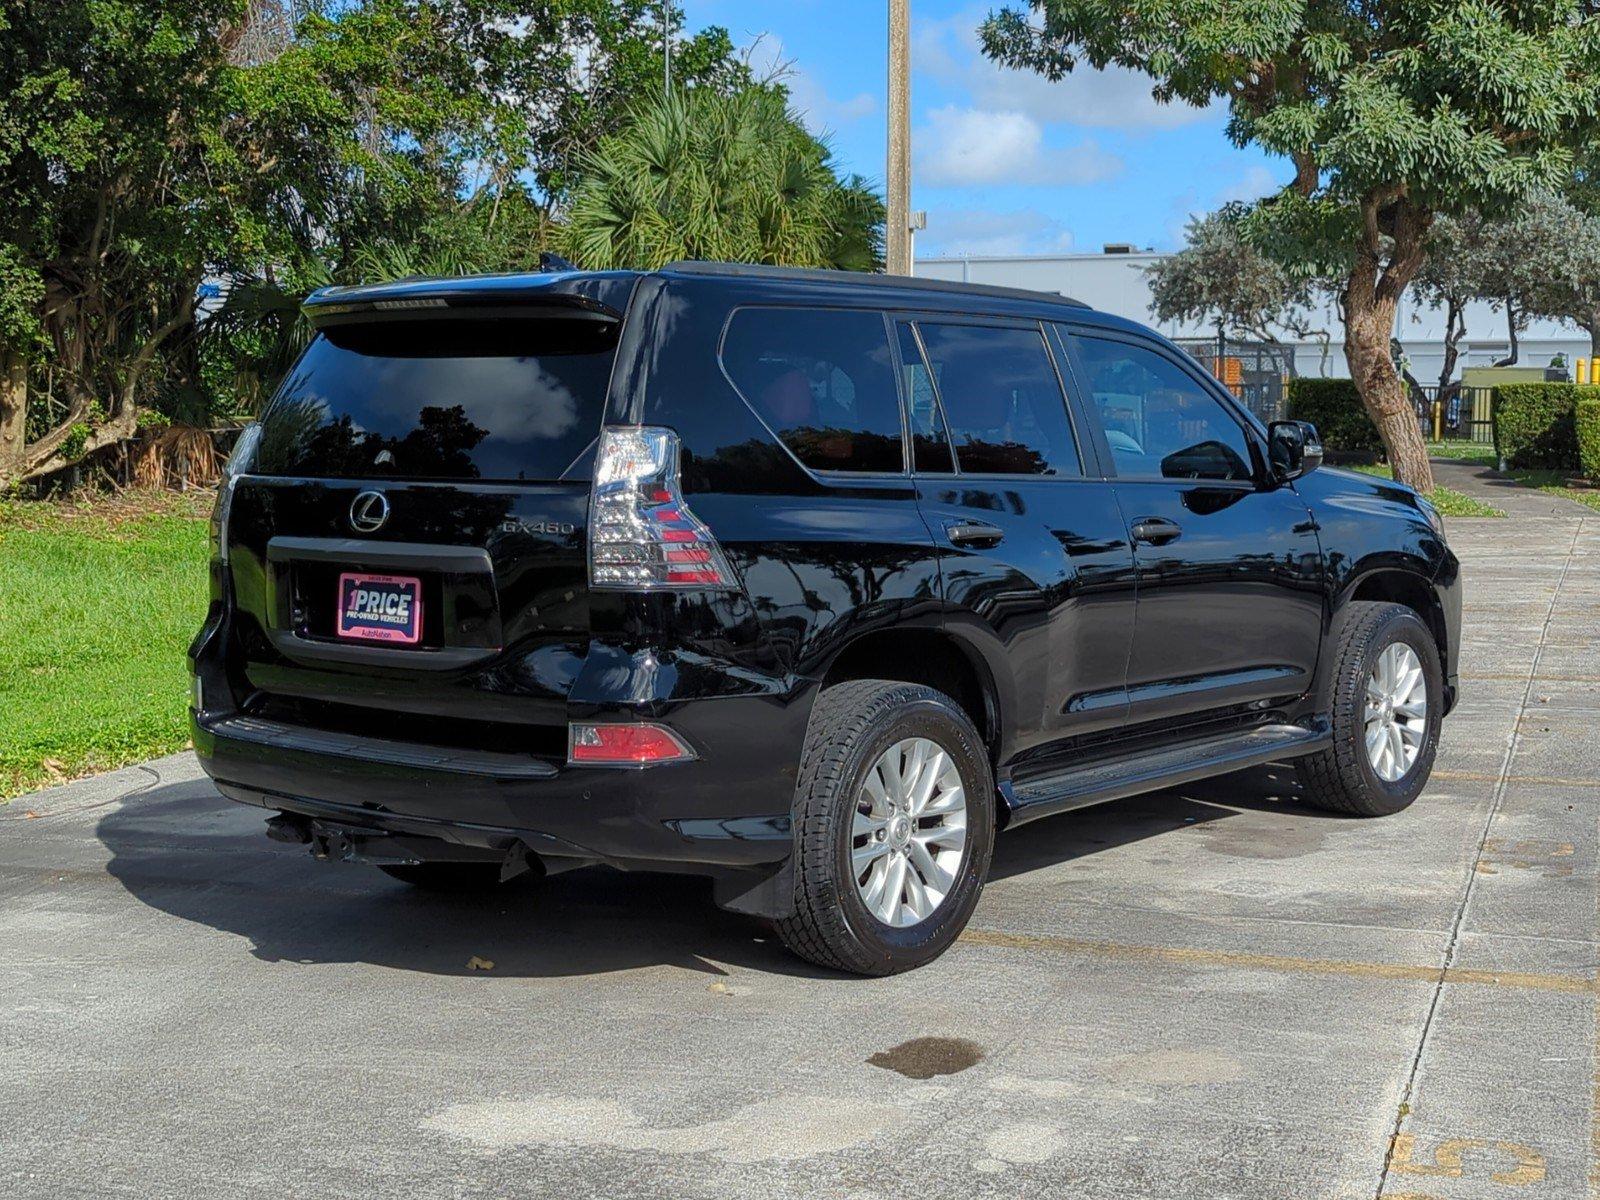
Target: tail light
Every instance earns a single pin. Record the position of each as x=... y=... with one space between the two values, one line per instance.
x=642 y=535
x=625 y=744
x=239 y=463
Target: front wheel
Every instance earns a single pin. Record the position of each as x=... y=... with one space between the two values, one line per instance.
x=1388 y=697
x=894 y=814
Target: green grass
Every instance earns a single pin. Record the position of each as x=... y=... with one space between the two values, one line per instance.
x=1447 y=500
x=1460 y=450
x=97 y=605
x=1559 y=483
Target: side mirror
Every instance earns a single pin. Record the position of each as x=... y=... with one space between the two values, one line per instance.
x=1294 y=447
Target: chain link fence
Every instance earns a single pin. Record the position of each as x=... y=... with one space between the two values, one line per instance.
x=1258 y=373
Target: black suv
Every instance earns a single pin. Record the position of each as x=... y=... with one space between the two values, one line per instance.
x=806 y=581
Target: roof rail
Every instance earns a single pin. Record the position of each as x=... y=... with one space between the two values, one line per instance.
x=863 y=279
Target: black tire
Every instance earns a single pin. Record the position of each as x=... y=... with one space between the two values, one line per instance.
x=446 y=876
x=852 y=725
x=1342 y=779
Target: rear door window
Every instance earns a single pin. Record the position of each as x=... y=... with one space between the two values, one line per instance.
x=1002 y=399
x=823 y=381
x=448 y=399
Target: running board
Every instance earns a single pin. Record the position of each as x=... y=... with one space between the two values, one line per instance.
x=1095 y=782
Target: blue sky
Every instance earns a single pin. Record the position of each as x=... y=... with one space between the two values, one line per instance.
x=1003 y=161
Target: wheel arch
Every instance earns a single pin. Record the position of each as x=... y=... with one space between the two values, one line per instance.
x=937 y=657
x=1407 y=588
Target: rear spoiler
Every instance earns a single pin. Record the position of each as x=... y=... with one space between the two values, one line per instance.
x=555 y=289
x=347 y=305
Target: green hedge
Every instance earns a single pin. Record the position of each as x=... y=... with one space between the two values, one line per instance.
x=1586 y=421
x=1533 y=424
x=1334 y=407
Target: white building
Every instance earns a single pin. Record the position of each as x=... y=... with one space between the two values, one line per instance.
x=1115 y=282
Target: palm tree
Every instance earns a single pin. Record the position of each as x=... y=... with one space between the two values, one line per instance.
x=706 y=175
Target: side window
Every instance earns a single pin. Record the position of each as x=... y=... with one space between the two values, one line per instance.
x=930 y=447
x=1002 y=399
x=823 y=380
x=1159 y=421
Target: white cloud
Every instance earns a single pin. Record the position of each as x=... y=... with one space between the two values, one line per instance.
x=822 y=112
x=1249 y=185
x=981 y=231
x=948 y=50
x=964 y=146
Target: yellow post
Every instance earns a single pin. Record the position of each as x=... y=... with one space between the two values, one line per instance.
x=1438 y=420
x=1583 y=370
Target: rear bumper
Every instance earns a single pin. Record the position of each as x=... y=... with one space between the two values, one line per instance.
x=729 y=808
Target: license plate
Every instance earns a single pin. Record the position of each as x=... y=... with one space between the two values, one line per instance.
x=380 y=608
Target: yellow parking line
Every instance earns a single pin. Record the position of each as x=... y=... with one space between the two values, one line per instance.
x=1277 y=962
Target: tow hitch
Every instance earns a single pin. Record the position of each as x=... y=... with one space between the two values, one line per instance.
x=331 y=841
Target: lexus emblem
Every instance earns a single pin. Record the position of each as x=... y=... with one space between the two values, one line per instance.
x=368 y=512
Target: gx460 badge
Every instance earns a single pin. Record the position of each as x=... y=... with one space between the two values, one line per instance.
x=560 y=528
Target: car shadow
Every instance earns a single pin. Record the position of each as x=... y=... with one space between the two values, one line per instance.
x=183 y=849
x=1085 y=831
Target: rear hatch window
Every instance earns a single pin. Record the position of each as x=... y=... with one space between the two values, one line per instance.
x=444 y=399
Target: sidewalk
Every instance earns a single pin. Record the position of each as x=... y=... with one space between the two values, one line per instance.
x=1515 y=500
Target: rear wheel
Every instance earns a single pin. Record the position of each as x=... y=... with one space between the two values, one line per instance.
x=1387 y=701
x=446 y=876
x=894 y=817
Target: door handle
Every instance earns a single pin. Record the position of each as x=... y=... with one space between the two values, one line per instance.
x=974 y=533
x=1157 y=531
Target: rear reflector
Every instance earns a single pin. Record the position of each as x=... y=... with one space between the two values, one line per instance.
x=630 y=745
x=642 y=536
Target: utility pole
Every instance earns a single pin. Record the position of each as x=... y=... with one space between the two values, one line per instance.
x=899 y=222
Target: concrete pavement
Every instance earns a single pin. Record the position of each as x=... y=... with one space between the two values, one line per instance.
x=1208 y=994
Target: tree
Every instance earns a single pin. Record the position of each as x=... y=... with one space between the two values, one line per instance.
x=1220 y=278
x=1554 y=256
x=1540 y=259
x=147 y=146
x=1465 y=262
x=108 y=211
x=702 y=174
x=1391 y=112
x=584 y=63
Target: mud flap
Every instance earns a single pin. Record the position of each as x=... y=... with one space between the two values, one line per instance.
x=765 y=892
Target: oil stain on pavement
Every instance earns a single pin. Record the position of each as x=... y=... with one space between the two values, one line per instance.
x=925 y=1057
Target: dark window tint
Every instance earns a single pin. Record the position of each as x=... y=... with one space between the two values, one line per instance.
x=1158 y=420
x=823 y=380
x=1002 y=399
x=443 y=399
x=930 y=447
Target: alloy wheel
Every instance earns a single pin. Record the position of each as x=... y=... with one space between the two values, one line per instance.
x=909 y=832
x=1396 y=712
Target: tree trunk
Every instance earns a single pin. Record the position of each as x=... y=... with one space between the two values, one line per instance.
x=1455 y=328
x=13 y=415
x=1369 y=324
x=1510 y=360
x=1393 y=233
